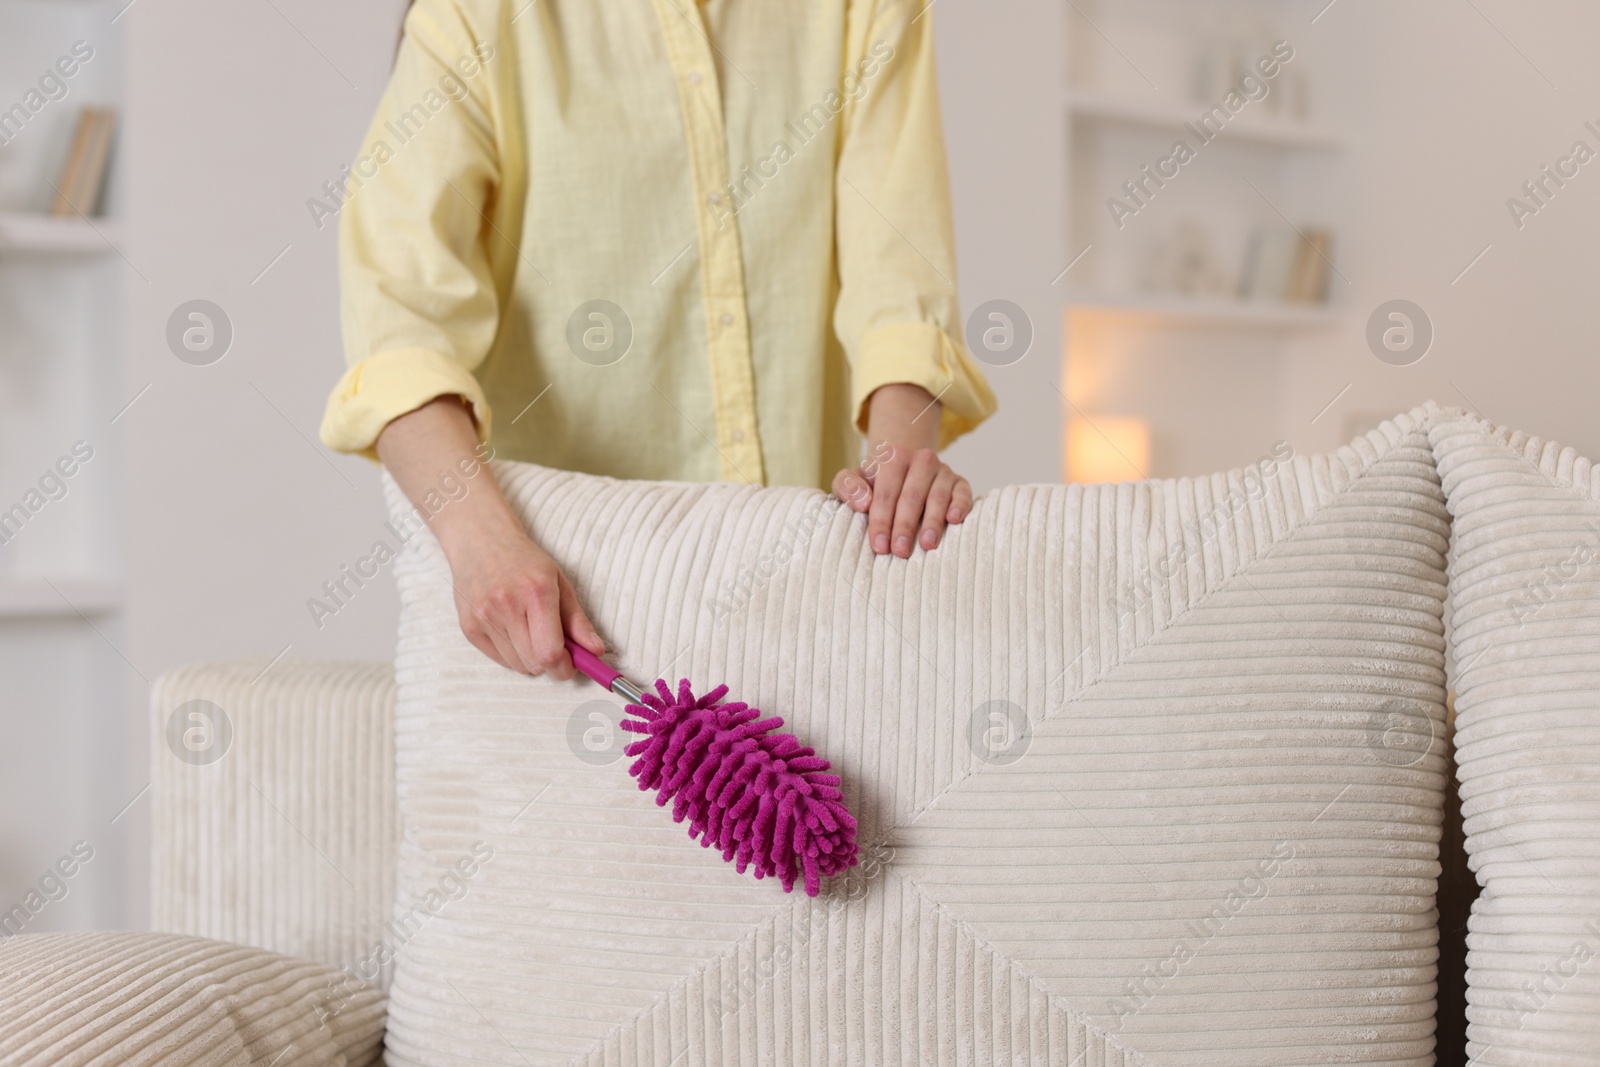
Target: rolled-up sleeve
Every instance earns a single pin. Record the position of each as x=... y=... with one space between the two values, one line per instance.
x=419 y=297
x=897 y=315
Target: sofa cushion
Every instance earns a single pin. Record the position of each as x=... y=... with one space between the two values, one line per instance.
x=160 y=1000
x=283 y=833
x=1525 y=595
x=1144 y=773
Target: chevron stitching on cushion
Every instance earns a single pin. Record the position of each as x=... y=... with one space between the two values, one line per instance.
x=918 y=934
x=596 y=934
x=1088 y=764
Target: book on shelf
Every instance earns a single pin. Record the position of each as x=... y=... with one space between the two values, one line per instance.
x=1308 y=279
x=1283 y=263
x=78 y=186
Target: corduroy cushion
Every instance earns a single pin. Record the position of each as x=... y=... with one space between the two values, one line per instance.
x=1145 y=773
x=283 y=837
x=1525 y=593
x=160 y=1000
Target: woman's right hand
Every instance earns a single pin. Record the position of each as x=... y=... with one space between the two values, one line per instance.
x=513 y=601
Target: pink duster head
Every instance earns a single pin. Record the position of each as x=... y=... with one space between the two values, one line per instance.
x=761 y=797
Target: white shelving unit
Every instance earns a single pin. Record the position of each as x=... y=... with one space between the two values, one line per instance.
x=65 y=766
x=1099 y=117
x=1213 y=311
x=66 y=598
x=32 y=233
x=1200 y=367
x=1089 y=106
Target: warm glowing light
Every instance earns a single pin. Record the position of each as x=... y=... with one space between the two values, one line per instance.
x=1107 y=448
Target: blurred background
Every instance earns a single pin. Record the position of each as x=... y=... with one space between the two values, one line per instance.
x=1344 y=244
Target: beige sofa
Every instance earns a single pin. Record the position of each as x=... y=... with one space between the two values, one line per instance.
x=289 y=845
x=273 y=868
x=288 y=842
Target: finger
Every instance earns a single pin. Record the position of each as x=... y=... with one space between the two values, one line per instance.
x=960 y=501
x=934 y=515
x=508 y=627
x=510 y=654
x=480 y=640
x=506 y=651
x=547 y=649
x=879 y=455
x=885 y=495
x=475 y=624
x=547 y=641
x=576 y=623
x=851 y=486
x=925 y=467
x=501 y=616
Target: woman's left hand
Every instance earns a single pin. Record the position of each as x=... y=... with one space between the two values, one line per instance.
x=906 y=491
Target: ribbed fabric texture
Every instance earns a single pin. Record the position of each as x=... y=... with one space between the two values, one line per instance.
x=1525 y=589
x=287 y=841
x=157 y=1000
x=1213 y=842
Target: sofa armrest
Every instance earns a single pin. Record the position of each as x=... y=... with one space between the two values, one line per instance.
x=116 y=999
x=274 y=822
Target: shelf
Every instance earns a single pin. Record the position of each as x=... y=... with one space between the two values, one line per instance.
x=33 y=598
x=47 y=234
x=1171 y=115
x=1217 y=311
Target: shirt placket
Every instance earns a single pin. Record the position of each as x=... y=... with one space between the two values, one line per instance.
x=721 y=258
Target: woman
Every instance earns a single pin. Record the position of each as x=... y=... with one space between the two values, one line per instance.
x=652 y=239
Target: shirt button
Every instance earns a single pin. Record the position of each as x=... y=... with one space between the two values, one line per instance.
x=737 y=435
x=694 y=79
x=714 y=199
x=727 y=319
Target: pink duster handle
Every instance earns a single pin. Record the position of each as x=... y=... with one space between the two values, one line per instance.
x=605 y=675
x=592 y=665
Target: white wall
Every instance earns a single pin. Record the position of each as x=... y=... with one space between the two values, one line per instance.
x=1000 y=81
x=238 y=514
x=1450 y=114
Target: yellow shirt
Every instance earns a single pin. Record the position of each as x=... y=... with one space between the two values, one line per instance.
x=651 y=239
